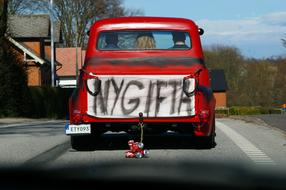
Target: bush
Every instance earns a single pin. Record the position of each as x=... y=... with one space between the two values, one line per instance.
x=275 y=111
x=243 y=110
x=252 y=110
x=14 y=99
x=49 y=102
x=221 y=112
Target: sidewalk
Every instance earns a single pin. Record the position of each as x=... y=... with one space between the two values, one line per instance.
x=273 y=120
x=12 y=121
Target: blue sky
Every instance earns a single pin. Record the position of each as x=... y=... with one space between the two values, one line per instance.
x=254 y=26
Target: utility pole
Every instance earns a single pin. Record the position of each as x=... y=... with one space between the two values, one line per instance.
x=76 y=55
x=52 y=45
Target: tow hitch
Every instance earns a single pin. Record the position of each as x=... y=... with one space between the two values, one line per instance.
x=137 y=148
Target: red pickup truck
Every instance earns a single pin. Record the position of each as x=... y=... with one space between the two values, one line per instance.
x=152 y=65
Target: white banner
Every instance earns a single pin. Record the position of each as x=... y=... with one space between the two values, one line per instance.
x=124 y=96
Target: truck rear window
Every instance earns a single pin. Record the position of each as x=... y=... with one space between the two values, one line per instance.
x=144 y=40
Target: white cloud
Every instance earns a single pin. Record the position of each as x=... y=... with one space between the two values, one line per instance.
x=277 y=18
x=262 y=33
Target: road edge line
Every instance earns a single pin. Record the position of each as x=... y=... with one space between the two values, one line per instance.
x=254 y=153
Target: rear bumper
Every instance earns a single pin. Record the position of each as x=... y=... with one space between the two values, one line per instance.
x=193 y=124
x=91 y=119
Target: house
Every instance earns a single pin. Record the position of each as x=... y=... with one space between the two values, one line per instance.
x=30 y=38
x=219 y=87
x=71 y=61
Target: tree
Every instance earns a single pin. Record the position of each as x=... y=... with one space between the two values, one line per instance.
x=251 y=82
x=24 y=7
x=17 y=6
x=279 y=86
x=13 y=78
x=258 y=85
x=76 y=16
x=231 y=61
x=283 y=42
x=3 y=26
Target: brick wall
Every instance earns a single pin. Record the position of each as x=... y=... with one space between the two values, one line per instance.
x=34 y=75
x=220 y=99
x=47 y=51
x=35 y=46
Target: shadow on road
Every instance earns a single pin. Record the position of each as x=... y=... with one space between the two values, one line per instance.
x=162 y=141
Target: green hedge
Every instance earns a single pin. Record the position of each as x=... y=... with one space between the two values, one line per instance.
x=252 y=110
x=47 y=102
x=222 y=111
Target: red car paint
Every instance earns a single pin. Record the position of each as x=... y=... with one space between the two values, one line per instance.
x=132 y=63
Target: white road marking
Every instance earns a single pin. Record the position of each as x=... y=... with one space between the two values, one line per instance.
x=254 y=153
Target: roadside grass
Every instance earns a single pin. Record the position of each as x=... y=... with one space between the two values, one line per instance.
x=246 y=110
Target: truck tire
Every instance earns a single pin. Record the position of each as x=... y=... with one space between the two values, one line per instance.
x=210 y=140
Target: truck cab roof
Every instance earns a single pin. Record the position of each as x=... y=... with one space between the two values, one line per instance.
x=144 y=24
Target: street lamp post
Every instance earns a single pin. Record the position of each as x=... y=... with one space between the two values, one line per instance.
x=76 y=54
x=52 y=45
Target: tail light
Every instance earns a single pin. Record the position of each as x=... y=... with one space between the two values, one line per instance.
x=77 y=117
x=204 y=114
x=189 y=85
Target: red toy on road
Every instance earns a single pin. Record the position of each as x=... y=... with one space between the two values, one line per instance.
x=151 y=65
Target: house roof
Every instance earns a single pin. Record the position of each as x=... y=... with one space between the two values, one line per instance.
x=28 y=51
x=32 y=26
x=218 y=80
x=67 y=58
x=36 y=56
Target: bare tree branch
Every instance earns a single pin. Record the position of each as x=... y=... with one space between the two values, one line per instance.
x=21 y=7
x=133 y=12
x=284 y=42
x=76 y=16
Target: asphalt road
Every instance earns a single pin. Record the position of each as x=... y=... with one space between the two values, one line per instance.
x=275 y=120
x=43 y=143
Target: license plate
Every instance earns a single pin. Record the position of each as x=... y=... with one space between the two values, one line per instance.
x=78 y=129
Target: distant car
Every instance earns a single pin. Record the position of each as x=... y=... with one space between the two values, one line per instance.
x=152 y=65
